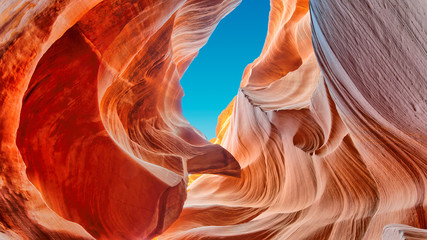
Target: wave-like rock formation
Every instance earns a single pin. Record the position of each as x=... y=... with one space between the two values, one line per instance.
x=326 y=138
x=91 y=99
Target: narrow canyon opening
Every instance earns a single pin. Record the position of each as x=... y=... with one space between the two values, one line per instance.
x=324 y=138
x=212 y=79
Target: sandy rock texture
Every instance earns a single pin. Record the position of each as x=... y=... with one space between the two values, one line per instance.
x=90 y=114
x=331 y=138
x=325 y=139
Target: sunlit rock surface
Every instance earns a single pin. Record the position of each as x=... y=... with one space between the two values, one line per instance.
x=91 y=98
x=334 y=155
x=326 y=138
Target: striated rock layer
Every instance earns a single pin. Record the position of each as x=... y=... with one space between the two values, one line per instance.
x=326 y=138
x=331 y=138
x=91 y=98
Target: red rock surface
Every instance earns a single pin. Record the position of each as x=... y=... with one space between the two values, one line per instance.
x=91 y=99
x=326 y=138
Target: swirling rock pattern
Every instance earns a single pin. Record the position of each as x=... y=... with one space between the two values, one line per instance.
x=100 y=127
x=323 y=156
x=326 y=138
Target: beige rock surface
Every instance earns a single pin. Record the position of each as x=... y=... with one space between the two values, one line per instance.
x=326 y=138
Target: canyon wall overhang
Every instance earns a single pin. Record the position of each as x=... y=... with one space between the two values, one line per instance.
x=325 y=139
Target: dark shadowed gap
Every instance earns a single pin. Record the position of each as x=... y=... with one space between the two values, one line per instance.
x=213 y=78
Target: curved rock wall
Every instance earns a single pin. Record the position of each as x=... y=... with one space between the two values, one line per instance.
x=326 y=138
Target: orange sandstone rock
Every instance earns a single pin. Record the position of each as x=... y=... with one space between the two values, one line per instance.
x=75 y=68
x=331 y=138
x=326 y=138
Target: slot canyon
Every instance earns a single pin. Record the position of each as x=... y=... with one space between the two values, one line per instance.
x=326 y=137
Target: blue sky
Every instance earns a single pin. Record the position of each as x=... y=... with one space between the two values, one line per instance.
x=213 y=78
